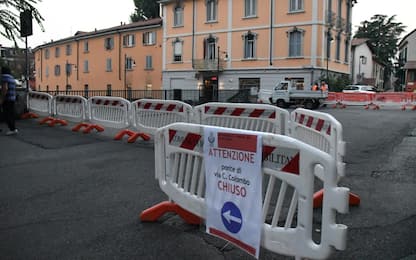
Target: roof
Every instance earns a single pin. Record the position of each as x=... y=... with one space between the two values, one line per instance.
x=407 y=36
x=120 y=28
x=410 y=65
x=358 y=41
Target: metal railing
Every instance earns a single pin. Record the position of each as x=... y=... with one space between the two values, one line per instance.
x=193 y=97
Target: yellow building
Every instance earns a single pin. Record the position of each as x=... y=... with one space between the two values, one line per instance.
x=123 y=58
x=237 y=44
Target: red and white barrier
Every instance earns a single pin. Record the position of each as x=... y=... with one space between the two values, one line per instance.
x=69 y=107
x=111 y=112
x=256 y=117
x=324 y=132
x=287 y=196
x=39 y=104
x=397 y=100
x=333 y=99
x=150 y=114
x=356 y=99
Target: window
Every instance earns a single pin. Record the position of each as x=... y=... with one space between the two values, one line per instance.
x=47 y=53
x=108 y=65
x=212 y=6
x=129 y=63
x=178 y=16
x=250 y=7
x=47 y=71
x=149 y=38
x=86 y=66
x=109 y=43
x=347 y=51
x=149 y=63
x=209 y=46
x=295 y=5
x=249 y=45
x=57 y=70
x=338 y=47
x=129 y=40
x=57 y=52
x=86 y=47
x=295 y=43
x=68 y=50
x=177 y=50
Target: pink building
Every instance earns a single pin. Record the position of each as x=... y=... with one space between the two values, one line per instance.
x=238 y=44
x=126 y=57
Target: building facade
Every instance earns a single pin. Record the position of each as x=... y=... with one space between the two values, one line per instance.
x=237 y=44
x=365 y=69
x=15 y=59
x=126 y=57
x=407 y=61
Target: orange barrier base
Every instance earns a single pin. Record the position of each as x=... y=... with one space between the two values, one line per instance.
x=340 y=105
x=132 y=136
x=54 y=121
x=318 y=197
x=29 y=115
x=154 y=213
x=88 y=128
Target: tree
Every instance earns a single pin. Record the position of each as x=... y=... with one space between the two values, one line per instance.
x=384 y=35
x=145 y=9
x=10 y=17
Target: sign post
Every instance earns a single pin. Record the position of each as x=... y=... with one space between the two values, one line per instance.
x=234 y=186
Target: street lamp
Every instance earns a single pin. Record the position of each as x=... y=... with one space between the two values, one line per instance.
x=363 y=60
x=129 y=63
x=328 y=52
x=68 y=70
x=218 y=69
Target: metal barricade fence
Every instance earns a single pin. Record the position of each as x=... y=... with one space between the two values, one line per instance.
x=357 y=99
x=109 y=111
x=150 y=114
x=392 y=100
x=38 y=103
x=333 y=99
x=256 y=117
x=70 y=107
x=288 y=216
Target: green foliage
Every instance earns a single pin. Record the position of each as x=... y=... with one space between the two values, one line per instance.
x=384 y=35
x=145 y=9
x=10 y=17
x=336 y=82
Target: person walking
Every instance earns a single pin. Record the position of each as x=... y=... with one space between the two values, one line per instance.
x=8 y=99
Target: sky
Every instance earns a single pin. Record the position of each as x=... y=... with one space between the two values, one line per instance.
x=63 y=18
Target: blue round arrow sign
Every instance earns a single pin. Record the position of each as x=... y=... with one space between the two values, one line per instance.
x=231 y=217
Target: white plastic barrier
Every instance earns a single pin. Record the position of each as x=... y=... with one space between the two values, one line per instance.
x=150 y=114
x=39 y=103
x=109 y=111
x=321 y=130
x=256 y=117
x=288 y=226
x=70 y=107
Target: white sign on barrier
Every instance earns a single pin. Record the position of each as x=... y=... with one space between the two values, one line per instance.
x=234 y=186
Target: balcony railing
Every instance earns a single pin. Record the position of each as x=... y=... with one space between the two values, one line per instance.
x=208 y=65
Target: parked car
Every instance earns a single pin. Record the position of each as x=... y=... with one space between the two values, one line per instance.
x=359 y=89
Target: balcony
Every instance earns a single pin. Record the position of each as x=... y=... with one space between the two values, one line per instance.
x=209 y=65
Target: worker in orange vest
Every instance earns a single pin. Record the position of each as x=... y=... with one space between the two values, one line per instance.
x=315 y=87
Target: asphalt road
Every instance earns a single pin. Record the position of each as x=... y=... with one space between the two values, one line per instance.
x=67 y=195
